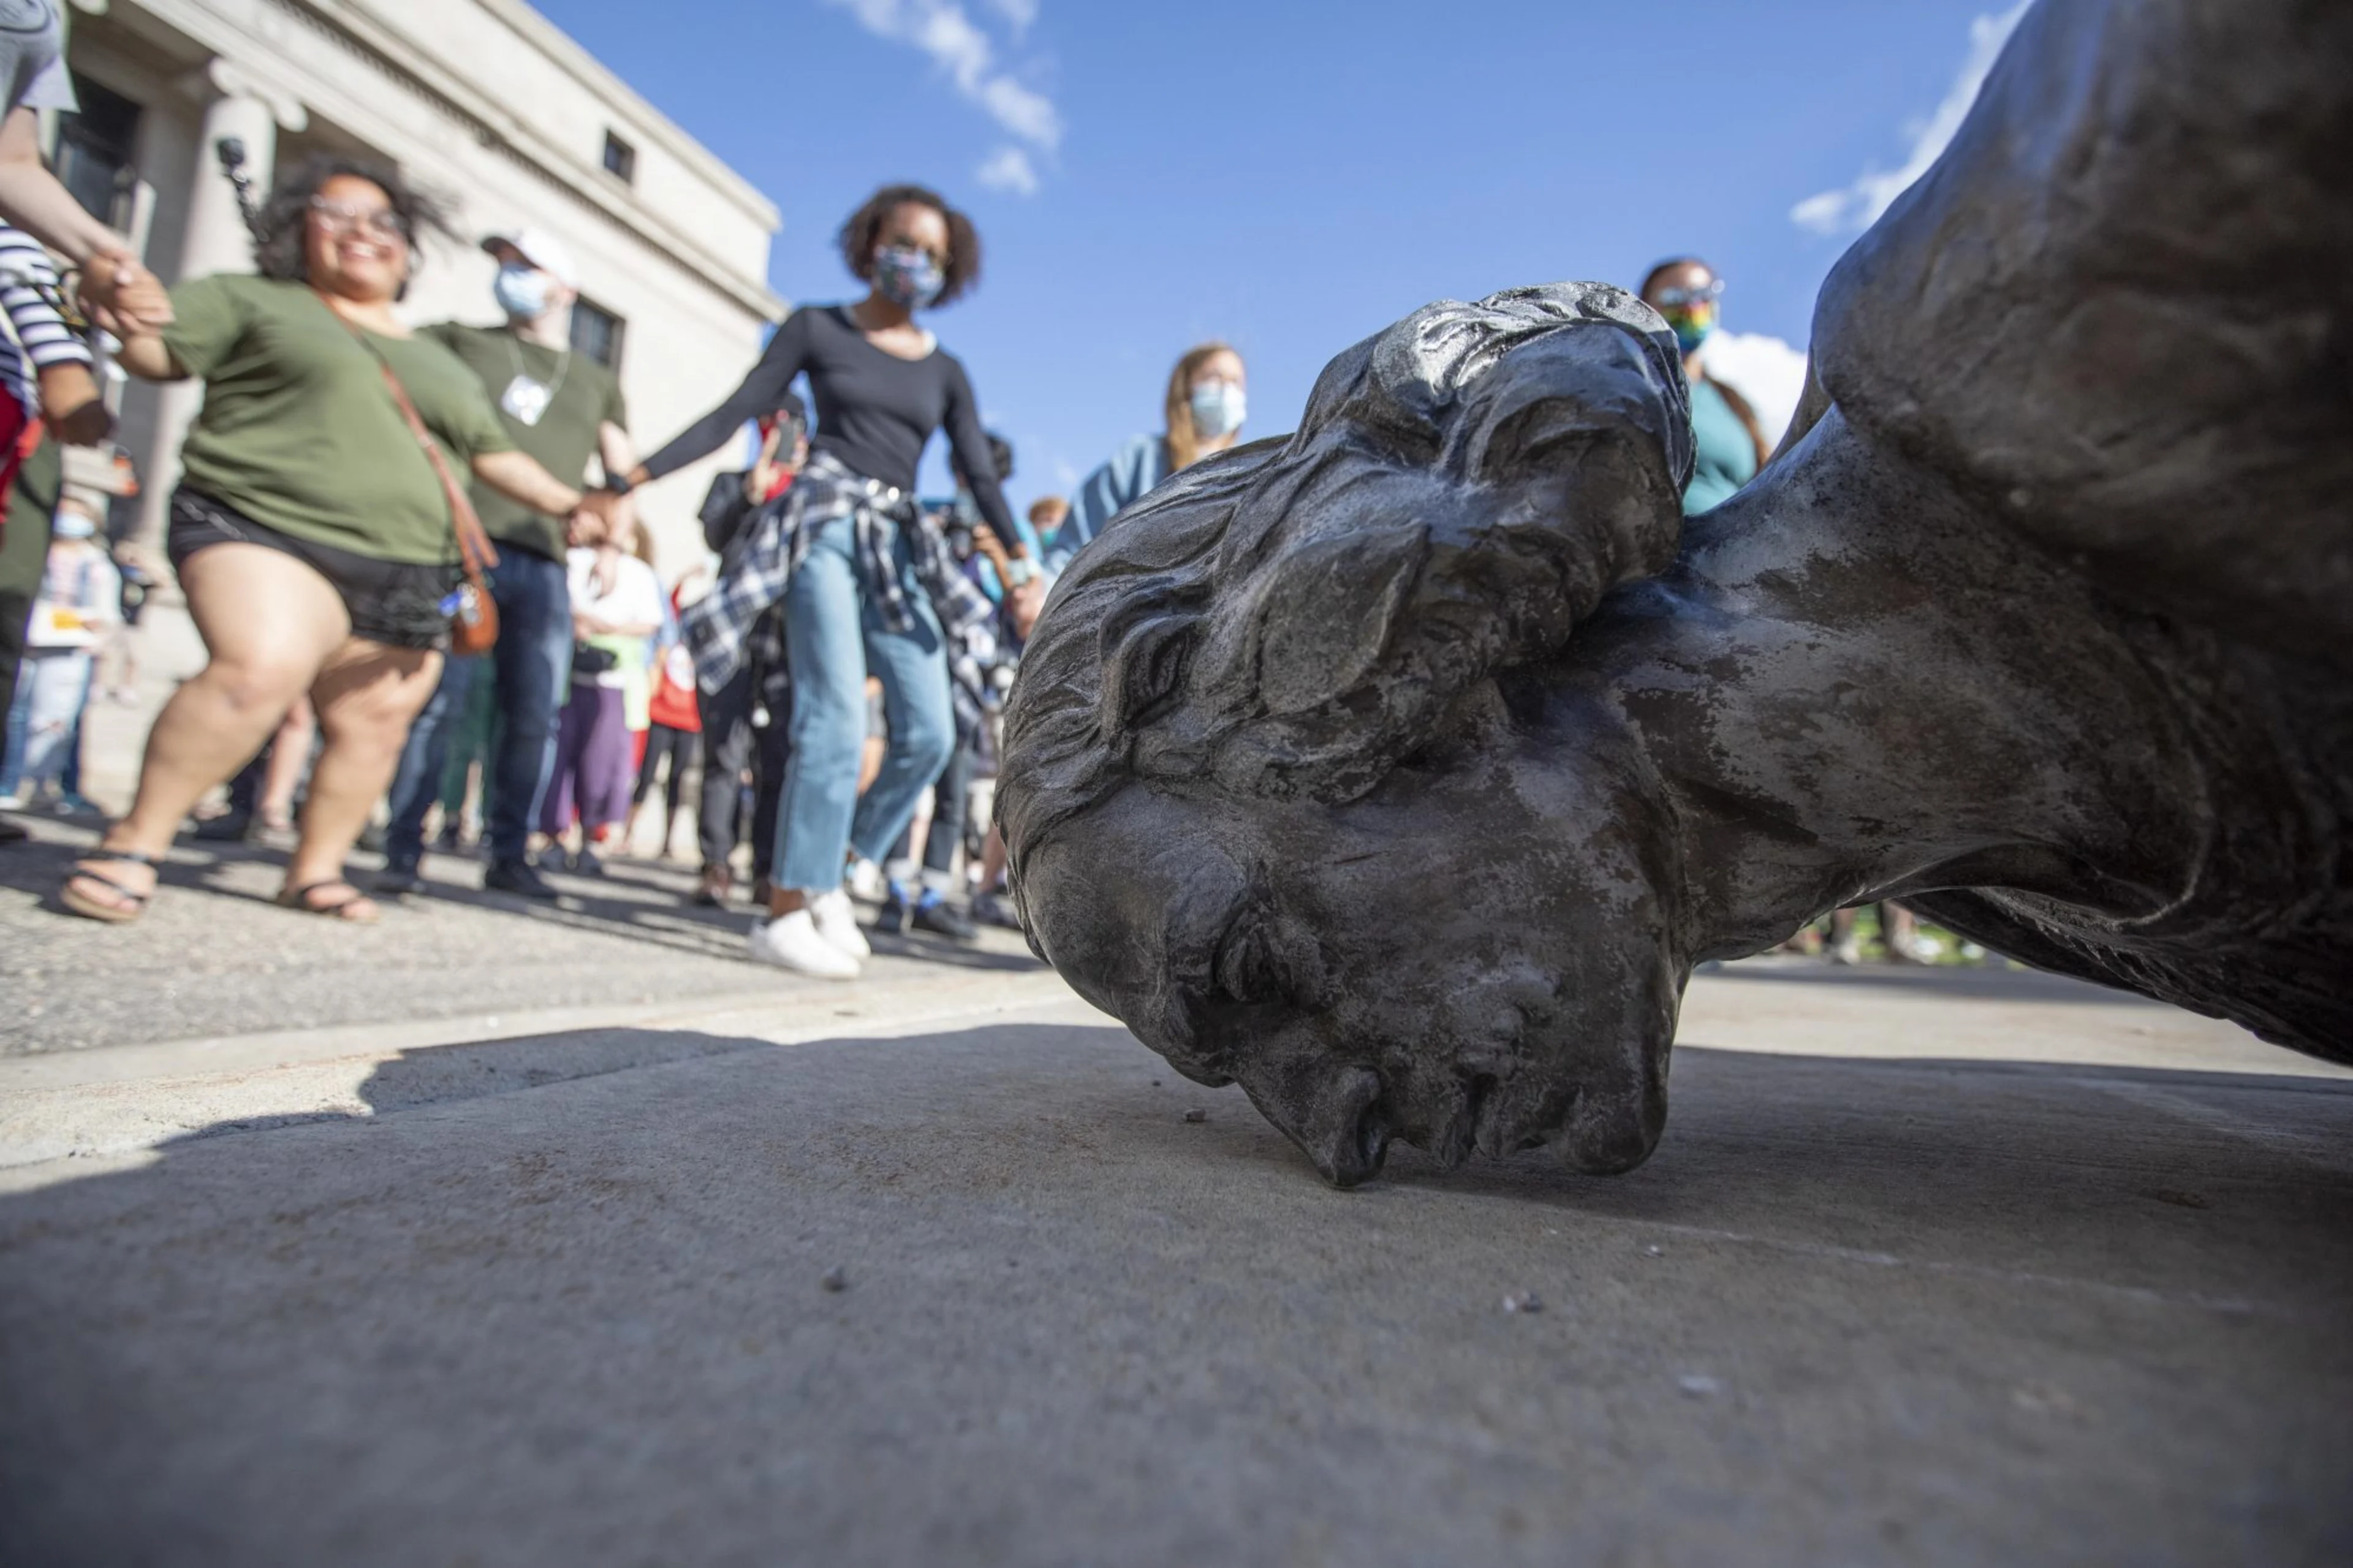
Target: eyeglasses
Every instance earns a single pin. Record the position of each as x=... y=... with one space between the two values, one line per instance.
x=342 y=218
x=1706 y=293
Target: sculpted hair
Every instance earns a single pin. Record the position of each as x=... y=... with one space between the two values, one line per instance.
x=1293 y=617
x=864 y=227
x=279 y=229
x=1184 y=440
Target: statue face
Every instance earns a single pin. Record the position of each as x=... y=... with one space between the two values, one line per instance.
x=1477 y=955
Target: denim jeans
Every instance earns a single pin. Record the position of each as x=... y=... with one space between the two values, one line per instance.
x=533 y=658
x=836 y=639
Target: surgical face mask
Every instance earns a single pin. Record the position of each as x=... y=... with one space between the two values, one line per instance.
x=908 y=277
x=1218 y=409
x=523 y=290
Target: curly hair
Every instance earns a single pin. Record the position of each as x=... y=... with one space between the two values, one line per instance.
x=864 y=228
x=1292 y=619
x=279 y=248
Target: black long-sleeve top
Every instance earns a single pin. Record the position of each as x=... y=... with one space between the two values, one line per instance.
x=874 y=410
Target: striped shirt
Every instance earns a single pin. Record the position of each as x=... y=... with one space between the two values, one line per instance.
x=34 y=336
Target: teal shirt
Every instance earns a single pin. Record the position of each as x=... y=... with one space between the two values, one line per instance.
x=1726 y=455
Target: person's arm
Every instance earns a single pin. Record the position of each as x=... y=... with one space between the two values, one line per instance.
x=518 y=477
x=969 y=442
x=619 y=455
x=112 y=280
x=762 y=391
x=70 y=403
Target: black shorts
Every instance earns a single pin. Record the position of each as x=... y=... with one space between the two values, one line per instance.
x=389 y=602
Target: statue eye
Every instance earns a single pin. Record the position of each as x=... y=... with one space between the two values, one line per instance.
x=1245 y=969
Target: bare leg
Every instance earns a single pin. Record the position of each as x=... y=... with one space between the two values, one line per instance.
x=367 y=696
x=289 y=752
x=260 y=665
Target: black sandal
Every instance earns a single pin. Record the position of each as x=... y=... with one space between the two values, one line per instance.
x=298 y=900
x=92 y=909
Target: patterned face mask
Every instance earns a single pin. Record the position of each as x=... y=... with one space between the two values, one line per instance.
x=1692 y=324
x=908 y=277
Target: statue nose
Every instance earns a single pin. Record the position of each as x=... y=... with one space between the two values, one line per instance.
x=1341 y=1127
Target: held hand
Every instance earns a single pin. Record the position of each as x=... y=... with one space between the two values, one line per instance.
x=1025 y=602
x=122 y=296
x=72 y=406
x=596 y=520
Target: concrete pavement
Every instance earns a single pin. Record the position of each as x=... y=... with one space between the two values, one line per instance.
x=1934 y=1267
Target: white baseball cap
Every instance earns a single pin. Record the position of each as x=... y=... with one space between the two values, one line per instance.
x=542 y=249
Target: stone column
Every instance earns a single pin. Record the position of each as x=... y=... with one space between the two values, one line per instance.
x=214 y=239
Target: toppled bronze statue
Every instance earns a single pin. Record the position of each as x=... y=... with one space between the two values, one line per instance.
x=1401 y=770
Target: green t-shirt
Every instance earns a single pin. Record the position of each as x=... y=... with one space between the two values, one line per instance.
x=298 y=431
x=580 y=395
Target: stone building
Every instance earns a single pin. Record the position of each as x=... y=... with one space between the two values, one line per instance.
x=485 y=103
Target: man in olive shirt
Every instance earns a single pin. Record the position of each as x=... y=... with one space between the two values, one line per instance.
x=560 y=406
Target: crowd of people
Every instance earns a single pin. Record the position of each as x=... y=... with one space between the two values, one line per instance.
x=414 y=558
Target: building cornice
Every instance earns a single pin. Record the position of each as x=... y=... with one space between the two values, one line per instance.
x=396 y=54
x=591 y=73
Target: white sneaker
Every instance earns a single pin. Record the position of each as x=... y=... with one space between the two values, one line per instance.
x=838 y=923
x=867 y=880
x=791 y=942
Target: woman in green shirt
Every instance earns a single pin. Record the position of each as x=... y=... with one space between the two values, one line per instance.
x=311 y=535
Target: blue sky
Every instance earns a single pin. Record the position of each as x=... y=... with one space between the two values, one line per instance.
x=1291 y=176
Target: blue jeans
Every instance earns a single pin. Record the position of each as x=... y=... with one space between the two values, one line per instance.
x=533 y=661
x=836 y=639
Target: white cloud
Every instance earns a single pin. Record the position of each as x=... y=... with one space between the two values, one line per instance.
x=1765 y=371
x=943 y=30
x=1859 y=205
x=1008 y=169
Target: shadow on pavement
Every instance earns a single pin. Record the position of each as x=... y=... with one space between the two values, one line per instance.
x=644 y=902
x=974 y=1296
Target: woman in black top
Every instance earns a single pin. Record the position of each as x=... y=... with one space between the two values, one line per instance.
x=867 y=585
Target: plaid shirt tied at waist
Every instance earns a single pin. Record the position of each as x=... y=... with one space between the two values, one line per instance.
x=759 y=566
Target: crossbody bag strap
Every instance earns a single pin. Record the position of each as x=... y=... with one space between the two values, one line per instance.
x=475 y=550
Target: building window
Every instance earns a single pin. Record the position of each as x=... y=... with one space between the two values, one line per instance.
x=94 y=151
x=621 y=159
x=597 y=332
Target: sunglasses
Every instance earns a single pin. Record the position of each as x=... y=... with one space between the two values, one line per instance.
x=342 y=218
x=1706 y=293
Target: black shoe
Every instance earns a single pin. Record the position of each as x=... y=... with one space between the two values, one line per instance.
x=519 y=877
x=941 y=918
x=229 y=827
x=398 y=882
x=996 y=909
x=892 y=919
x=12 y=832
x=587 y=863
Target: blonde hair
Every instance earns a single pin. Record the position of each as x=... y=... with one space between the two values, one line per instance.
x=1183 y=441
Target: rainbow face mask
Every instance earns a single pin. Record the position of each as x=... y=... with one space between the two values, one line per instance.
x=1690 y=313
x=1693 y=323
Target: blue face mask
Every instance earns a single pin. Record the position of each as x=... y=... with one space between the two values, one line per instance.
x=1218 y=409
x=908 y=277
x=523 y=290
